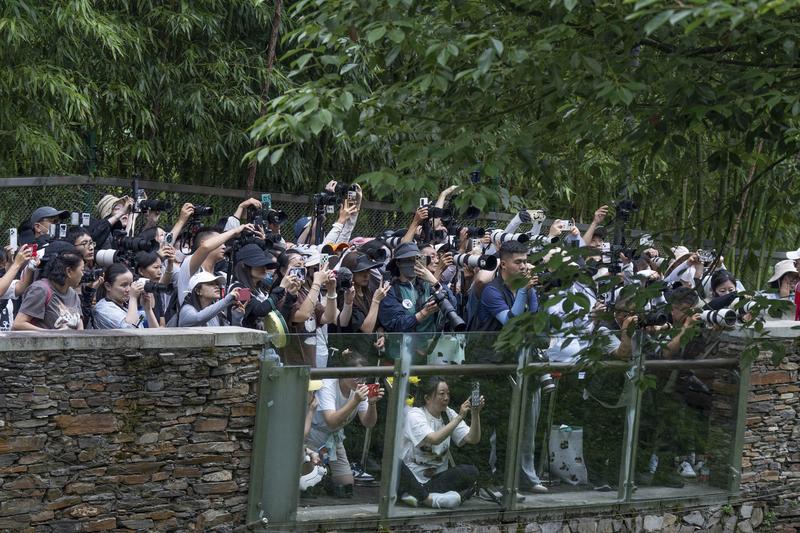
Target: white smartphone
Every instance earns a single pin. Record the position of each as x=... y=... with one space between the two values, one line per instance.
x=423 y=202
x=62 y=231
x=85 y=219
x=12 y=239
x=75 y=218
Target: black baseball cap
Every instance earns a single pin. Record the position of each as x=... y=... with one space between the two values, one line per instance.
x=253 y=255
x=47 y=212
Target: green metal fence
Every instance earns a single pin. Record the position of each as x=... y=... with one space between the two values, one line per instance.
x=626 y=411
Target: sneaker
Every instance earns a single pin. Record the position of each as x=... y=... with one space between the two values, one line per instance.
x=446 y=500
x=490 y=495
x=537 y=488
x=409 y=500
x=686 y=470
x=360 y=475
x=312 y=478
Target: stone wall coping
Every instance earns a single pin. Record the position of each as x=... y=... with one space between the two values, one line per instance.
x=778 y=329
x=130 y=339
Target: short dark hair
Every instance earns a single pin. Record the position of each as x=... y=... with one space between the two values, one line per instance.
x=201 y=235
x=74 y=233
x=510 y=248
x=427 y=388
x=683 y=295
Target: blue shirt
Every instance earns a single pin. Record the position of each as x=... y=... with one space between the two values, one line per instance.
x=494 y=302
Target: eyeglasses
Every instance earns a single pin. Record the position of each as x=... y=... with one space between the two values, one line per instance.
x=87 y=244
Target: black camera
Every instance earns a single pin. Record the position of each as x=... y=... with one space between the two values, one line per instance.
x=90 y=275
x=153 y=287
x=655 y=318
x=203 y=210
x=438 y=212
x=456 y=322
x=326 y=198
x=344 y=279
x=153 y=205
x=277 y=217
x=124 y=243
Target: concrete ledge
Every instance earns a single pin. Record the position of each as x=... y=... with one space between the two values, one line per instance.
x=776 y=329
x=131 y=339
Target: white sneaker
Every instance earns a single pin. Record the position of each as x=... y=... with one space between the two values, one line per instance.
x=409 y=500
x=313 y=477
x=686 y=470
x=447 y=500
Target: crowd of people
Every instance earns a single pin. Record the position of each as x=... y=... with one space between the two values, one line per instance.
x=438 y=278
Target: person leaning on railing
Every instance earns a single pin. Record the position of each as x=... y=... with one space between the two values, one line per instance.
x=431 y=426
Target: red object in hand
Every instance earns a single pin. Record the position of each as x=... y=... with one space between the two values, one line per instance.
x=374 y=389
x=34 y=249
x=796 y=303
x=244 y=295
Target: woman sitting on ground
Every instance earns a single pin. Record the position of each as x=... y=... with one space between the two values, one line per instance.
x=430 y=426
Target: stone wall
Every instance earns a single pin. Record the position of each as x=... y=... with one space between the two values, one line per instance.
x=153 y=431
x=126 y=430
x=771 y=454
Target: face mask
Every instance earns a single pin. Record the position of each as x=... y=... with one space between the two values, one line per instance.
x=269 y=278
x=407 y=271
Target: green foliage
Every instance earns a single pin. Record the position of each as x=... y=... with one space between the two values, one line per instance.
x=693 y=108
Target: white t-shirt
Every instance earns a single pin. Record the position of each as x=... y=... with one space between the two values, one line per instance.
x=557 y=351
x=330 y=398
x=419 y=457
x=7 y=313
x=108 y=315
x=182 y=279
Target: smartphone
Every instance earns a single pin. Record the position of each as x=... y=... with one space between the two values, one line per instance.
x=85 y=219
x=244 y=295
x=569 y=226
x=324 y=259
x=475 y=397
x=374 y=389
x=34 y=249
x=62 y=231
x=298 y=272
x=52 y=230
x=266 y=201
x=75 y=218
x=169 y=238
x=352 y=196
x=423 y=202
x=646 y=240
x=329 y=210
x=12 y=239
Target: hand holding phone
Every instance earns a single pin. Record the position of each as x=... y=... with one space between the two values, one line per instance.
x=374 y=389
x=243 y=295
x=475 y=396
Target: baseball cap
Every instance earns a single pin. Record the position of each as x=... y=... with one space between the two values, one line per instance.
x=406 y=250
x=205 y=277
x=300 y=225
x=253 y=256
x=47 y=212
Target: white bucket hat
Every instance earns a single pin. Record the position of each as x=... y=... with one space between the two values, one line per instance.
x=782 y=267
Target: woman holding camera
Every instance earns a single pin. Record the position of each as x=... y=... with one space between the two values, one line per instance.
x=118 y=301
x=52 y=302
x=340 y=400
x=150 y=267
x=425 y=476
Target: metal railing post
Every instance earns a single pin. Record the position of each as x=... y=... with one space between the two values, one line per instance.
x=280 y=416
x=395 y=425
x=515 y=432
x=741 y=422
x=632 y=414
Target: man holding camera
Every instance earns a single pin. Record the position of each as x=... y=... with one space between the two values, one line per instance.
x=501 y=300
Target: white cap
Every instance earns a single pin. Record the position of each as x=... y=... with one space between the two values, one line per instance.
x=205 y=277
x=679 y=251
x=782 y=267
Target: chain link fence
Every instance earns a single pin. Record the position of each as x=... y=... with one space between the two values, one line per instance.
x=19 y=197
